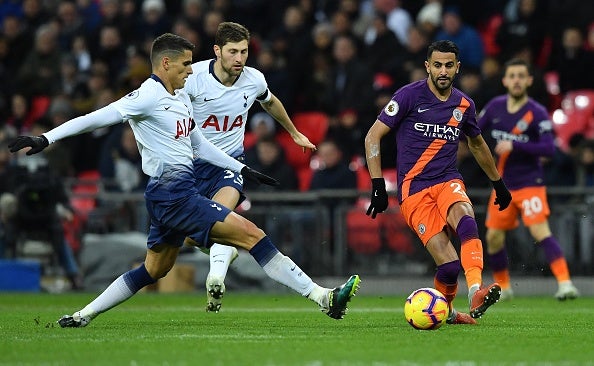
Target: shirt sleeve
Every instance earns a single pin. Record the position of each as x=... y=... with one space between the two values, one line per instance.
x=206 y=150
x=103 y=117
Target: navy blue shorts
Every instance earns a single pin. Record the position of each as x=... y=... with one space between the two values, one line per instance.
x=211 y=178
x=193 y=216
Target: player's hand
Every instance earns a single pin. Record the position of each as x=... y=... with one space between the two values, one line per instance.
x=257 y=177
x=36 y=143
x=379 y=197
x=302 y=140
x=502 y=195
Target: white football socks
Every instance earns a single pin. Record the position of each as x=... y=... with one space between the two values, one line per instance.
x=220 y=259
x=283 y=270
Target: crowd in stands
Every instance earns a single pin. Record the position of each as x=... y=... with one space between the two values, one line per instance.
x=339 y=59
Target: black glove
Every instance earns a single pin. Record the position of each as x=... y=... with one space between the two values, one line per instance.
x=379 y=197
x=257 y=177
x=502 y=195
x=36 y=143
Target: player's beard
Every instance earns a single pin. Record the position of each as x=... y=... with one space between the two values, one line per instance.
x=231 y=70
x=441 y=87
x=517 y=93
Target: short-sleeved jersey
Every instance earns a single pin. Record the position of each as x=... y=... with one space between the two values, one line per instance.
x=427 y=134
x=221 y=111
x=530 y=127
x=162 y=126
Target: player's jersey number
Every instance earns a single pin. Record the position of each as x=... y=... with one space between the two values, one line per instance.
x=531 y=206
x=457 y=188
x=230 y=174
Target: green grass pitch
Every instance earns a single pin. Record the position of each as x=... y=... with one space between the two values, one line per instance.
x=285 y=329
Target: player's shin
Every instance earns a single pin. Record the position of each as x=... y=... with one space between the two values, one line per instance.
x=220 y=259
x=446 y=280
x=119 y=291
x=499 y=265
x=281 y=268
x=471 y=251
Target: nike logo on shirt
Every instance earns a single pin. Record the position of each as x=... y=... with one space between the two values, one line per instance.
x=422 y=110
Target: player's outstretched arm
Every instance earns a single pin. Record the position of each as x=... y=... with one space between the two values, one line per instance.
x=379 y=196
x=103 y=117
x=277 y=110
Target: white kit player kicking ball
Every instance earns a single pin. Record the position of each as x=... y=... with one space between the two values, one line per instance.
x=160 y=114
x=222 y=91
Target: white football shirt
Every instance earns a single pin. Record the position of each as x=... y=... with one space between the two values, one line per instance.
x=161 y=123
x=221 y=111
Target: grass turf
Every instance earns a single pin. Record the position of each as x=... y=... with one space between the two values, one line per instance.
x=266 y=329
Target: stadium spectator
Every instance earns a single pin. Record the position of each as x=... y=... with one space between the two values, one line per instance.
x=39 y=73
x=268 y=157
x=382 y=55
x=523 y=26
x=428 y=18
x=570 y=60
x=71 y=24
x=154 y=19
x=398 y=20
x=351 y=81
x=34 y=204
x=454 y=28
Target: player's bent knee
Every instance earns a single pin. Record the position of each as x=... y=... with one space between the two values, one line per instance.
x=495 y=240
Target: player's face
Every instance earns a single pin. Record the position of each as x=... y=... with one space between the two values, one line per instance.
x=233 y=56
x=179 y=69
x=517 y=80
x=442 y=67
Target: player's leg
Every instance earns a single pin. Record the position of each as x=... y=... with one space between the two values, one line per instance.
x=237 y=230
x=535 y=213
x=220 y=255
x=498 y=223
x=159 y=260
x=455 y=204
x=225 y=187
x=554 y=255
x=422 y=216
x=498 y=261
x=446 y=277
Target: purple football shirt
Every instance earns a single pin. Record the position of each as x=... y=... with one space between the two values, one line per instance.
x=427 y=134
x=530 y=131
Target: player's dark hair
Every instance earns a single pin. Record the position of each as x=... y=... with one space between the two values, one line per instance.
x=445 y=46
x=517 y=62
x=169 y=44
x=231 y=32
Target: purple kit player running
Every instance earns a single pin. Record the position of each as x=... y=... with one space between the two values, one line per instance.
x=521 y=130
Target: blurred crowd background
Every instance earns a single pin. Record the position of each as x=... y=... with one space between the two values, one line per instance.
x=333 y=63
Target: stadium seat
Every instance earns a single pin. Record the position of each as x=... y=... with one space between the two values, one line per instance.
x=551 y=79
x=84 y=193
x=575 y=116
x=294 y=153
x=396 y=233
x=363 y=234
x=314 y=125
x=249 y=140
x=304 y=176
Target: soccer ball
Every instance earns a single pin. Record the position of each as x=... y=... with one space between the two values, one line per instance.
x=426 y=309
